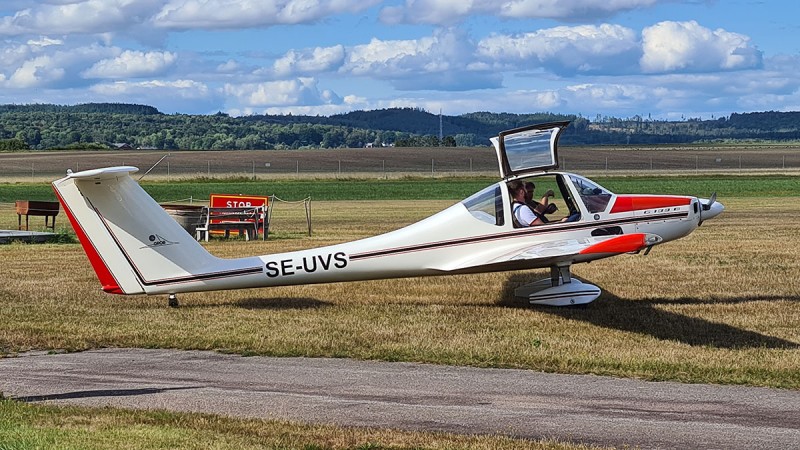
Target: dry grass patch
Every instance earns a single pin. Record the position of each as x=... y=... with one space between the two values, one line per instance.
x=721 y=306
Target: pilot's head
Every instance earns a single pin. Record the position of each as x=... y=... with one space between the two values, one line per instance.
x=529 y=188
x=517 y=190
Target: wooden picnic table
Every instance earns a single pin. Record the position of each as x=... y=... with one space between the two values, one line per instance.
x=36 y=208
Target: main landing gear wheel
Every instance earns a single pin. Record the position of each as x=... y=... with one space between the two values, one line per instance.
x=558 y=290
x=173 y=301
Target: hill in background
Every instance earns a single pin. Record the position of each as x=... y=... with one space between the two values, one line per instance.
x=109 y=125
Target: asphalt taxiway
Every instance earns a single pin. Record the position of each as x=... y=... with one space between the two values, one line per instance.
x=520 y=403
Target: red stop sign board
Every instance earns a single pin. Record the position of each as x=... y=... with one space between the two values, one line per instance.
x=237 y=201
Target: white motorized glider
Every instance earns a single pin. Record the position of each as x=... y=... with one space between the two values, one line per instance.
x=135 y=247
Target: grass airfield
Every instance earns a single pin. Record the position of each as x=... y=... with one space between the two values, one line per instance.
x=719 y=306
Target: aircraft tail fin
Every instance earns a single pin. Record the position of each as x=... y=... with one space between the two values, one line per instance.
x=132 y=243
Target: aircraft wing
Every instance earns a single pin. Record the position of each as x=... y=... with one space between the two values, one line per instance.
x=565 y=251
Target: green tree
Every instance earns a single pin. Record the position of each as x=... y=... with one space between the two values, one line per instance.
x=13 y=145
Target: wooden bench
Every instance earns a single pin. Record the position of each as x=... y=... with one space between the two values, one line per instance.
x=247 y=221
x=36 y=208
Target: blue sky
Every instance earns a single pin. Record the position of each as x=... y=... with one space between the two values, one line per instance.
x=662 y=59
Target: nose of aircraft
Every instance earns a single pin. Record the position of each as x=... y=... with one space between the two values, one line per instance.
x=710 y=208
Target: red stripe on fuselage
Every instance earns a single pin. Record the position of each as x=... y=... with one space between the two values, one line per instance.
x=105 y=276
x=628 y=203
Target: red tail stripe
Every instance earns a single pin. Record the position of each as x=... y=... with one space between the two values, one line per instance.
x=105 y=276
x=627 y=203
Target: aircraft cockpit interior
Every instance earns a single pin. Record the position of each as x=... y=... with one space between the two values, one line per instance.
x=526 y=155
x=549 y=197
x=493 y=204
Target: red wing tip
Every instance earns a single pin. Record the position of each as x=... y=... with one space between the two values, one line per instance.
x=112 y=289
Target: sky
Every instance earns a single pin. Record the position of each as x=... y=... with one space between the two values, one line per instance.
x=659 y=59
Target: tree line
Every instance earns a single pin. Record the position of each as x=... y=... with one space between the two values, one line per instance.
x=108 y=125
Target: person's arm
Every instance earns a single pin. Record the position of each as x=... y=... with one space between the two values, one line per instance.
x=542 y=206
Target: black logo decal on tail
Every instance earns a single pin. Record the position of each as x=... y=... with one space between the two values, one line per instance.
x=158 y=241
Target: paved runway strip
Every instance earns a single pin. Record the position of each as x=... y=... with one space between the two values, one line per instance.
x=521 y=403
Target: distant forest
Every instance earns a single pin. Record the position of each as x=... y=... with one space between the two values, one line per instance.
x=117 y=125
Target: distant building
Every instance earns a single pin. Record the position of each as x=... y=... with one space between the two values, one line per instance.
x=121 y=146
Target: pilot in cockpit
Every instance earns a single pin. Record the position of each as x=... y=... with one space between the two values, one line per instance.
x=522 y=213
x=543 y=206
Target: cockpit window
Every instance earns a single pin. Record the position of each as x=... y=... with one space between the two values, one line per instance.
x=528 y=149
x=593 y=196
x=486 y=205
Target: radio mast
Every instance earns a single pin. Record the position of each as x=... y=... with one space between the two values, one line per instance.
x=441 y=136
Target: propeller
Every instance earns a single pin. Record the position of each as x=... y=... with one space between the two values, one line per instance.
x=707 y=207
x=711 y=201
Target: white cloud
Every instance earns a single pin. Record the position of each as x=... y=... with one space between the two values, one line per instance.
x=50 y=66
x=307 y=62
x=514 y=101
x=445 y=12
x=185 y=89
x=135 y=16
x=570 y=10
x=443 y=61
x=184 y=96
x=38 y=71
x=58 y=48
x=44 y=41
x=604 y=97
x=229 y=66
x=348 y=103
x=567 y=50
x=132 y=64
x=295 y=92
x=80 y=16
x=379 y=56
x=663 y=96
x=228 y=14
x=688 y=46
x=13 y=55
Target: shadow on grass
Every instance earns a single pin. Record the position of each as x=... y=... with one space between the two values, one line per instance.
x=101 y=393
x=643 y=317
x=282 y=303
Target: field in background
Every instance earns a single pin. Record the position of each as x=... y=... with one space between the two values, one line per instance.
x=720 y=306
x=447 y=188
x=398 y=162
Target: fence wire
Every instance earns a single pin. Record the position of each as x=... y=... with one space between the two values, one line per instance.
x=367 y=162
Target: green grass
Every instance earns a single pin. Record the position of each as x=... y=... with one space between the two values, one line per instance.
x=26 y=426
x=704 y=185
x=430 y=188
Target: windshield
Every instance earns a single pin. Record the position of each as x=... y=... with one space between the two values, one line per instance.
x=486 y=205
x=594 y=196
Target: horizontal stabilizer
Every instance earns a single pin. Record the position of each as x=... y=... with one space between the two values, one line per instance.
x=106 y=173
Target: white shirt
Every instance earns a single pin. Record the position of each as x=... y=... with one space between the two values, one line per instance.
x=525 y=216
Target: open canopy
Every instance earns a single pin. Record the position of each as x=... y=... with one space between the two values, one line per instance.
x=528 y=149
